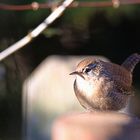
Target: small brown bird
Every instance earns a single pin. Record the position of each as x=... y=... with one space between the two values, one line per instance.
x=103 y=85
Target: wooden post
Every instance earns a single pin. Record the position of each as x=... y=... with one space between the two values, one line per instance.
x=96 y=126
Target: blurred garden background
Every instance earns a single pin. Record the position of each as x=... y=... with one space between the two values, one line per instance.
x=112 y=32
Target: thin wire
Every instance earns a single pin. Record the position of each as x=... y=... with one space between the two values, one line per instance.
x=36 y=6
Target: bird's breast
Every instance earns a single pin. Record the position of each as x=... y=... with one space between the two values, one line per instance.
x=98 y=93
x=88 y=88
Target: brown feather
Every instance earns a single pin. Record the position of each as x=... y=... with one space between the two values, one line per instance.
x=107 y=86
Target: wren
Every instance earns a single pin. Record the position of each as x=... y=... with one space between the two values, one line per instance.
x=103 y=85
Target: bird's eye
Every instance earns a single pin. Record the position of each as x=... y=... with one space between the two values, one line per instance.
x=86 y=70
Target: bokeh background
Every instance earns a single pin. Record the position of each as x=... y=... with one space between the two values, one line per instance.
x=106 y=31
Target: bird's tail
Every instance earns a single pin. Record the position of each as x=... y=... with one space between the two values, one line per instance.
x=131 y=62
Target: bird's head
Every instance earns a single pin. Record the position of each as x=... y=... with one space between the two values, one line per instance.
x=88 y=68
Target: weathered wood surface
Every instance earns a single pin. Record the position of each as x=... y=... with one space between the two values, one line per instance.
x=96 y=126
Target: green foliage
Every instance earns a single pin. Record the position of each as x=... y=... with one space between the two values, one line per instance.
x=78 y=17
x=32 y=18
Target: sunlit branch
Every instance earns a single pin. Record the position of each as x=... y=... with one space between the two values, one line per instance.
x=25 y=40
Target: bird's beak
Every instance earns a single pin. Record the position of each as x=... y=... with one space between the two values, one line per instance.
x=74 y=73
x=77 y=73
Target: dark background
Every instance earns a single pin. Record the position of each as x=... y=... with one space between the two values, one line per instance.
x=111 y=32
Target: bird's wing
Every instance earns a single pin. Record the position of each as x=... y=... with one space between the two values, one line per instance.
x=121 y=77
x=123 y=80
x=123 y=88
